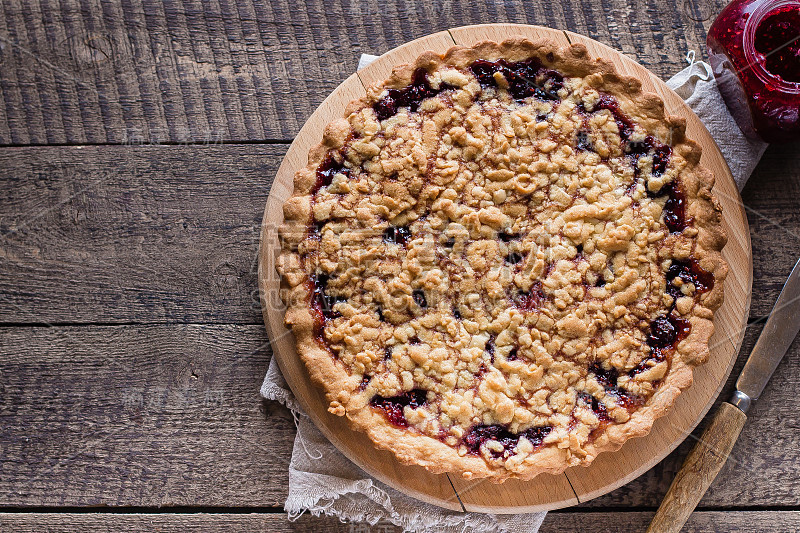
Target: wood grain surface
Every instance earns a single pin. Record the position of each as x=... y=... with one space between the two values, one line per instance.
x=556 y=522
x=146 y=255
x=78 y=72
x=576 y=485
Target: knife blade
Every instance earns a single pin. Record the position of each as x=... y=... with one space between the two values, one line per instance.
x=773 y=343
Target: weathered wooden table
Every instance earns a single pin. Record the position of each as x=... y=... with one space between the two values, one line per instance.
x=139 y=141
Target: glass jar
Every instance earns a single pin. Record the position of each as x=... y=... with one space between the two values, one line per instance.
x=754 y=50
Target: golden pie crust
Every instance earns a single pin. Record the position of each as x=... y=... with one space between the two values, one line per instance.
x=510 y=274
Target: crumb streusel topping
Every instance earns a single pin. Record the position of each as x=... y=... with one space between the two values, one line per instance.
x=498 y=258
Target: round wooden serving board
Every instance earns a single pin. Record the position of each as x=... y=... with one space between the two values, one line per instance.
x=578 y=484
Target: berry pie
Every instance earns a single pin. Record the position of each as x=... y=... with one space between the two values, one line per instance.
x=503 y=261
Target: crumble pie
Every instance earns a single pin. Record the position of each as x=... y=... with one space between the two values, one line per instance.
x=503 y=261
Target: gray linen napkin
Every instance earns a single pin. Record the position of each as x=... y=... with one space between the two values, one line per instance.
x=322 y=480
x=696 y=85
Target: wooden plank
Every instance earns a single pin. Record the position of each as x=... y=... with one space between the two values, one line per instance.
x=140 y=416
x=123 y=234
x=699 y=522
x=169 y=415
x=142 y=71
x=556 y=522
x=132 y=234
x=182 y=523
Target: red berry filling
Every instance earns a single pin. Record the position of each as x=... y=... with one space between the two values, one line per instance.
x=674 y=208
x=393 y=407
x=665 y=334
x=505 y=236
x=582 y=141
x=688 y=272
x=410 y=96
x=316 y=227
x=477 y=436
x=489 y=348
x=666 y=331
x=691 y=272
x=528 y=300
x=397 y=235
x=594 y=404
x=660 y=152
x=608 y=379
x=418 y=295
x=624 y=124
x=525 y=78
x=326 y=171
x=514 y=257
x=322 y=303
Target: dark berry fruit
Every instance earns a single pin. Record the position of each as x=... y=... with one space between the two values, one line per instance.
x=397 y=235
x=513 y=258
x=477 y=436
x=606 y=377
x=419 y=298
x=489 y=348
x=582 y=141
x=505 y=236
x=525 y=78
x=322 y=302
x=666 y=331
x=410 y=96
x=624 y=124
x=595 y=405
x=326 y=171
x=691 y=272
x=661 y=157
x=393 y=407
x=528 y=301
x=675 y=207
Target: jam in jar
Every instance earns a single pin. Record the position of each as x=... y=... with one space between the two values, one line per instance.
x=754 y=50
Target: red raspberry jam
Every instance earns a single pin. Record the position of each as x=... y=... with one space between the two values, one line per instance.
x=394 y=407
x=754 y=49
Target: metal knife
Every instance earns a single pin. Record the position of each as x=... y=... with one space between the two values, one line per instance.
x=712 y=450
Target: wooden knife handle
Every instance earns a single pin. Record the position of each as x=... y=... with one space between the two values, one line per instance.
x=699 y=470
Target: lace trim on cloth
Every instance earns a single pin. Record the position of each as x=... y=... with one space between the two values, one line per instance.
x=323 y=481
